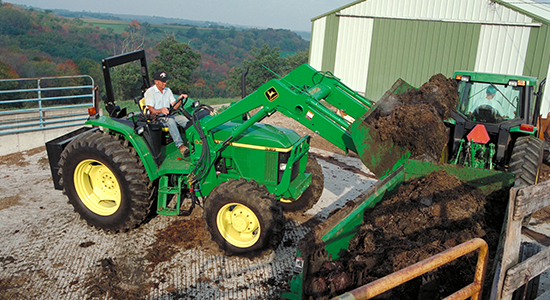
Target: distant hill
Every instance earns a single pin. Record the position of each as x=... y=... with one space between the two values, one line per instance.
x=35 y=42
x=306 y=35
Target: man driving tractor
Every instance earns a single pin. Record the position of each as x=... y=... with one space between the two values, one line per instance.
x=159 y=99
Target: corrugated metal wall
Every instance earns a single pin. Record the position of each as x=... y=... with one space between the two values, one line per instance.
x=317 y=43
x=379 y=41
x=329 y=49
x=355 y=38
x=416 y=50
x=538 y=60
x=502 y=49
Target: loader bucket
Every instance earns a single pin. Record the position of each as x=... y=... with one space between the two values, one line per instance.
x=379 y=153
x=326 y=241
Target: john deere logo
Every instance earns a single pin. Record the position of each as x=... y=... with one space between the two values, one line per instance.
x=271 y=94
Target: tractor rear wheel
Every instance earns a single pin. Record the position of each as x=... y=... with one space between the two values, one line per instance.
x=105 y=182
x=312 y=194
x=243 y=217
x=526 y=160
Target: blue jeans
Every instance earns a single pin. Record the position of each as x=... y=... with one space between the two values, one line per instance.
x=171 y=122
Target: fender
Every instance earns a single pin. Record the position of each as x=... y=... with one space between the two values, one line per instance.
x=136 y=140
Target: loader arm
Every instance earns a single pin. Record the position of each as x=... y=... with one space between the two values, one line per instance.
x=303 y=95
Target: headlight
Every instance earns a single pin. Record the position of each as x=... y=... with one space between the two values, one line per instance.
x=462 y=78
x=282 y=167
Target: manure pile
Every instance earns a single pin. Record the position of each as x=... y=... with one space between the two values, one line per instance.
x=414 y=119
x=426 y=216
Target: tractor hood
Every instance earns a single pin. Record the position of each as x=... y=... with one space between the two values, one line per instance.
x=259 y=134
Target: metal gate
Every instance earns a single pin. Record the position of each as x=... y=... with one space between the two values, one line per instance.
x=30 y=104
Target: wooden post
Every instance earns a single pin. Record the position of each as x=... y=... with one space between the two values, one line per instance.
x=510 y=274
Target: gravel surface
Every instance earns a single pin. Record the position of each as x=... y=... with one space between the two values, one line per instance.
x=47 y=252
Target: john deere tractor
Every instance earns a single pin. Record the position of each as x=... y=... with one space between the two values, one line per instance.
x=241 y=172
x=495 y=125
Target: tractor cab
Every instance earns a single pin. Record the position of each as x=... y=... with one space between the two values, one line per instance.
x=484 y=99
x=493 y=110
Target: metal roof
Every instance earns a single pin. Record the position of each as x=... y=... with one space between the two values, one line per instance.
x=540 y=12
x=536 y=10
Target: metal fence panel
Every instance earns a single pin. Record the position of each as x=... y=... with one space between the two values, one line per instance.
x=30 y=104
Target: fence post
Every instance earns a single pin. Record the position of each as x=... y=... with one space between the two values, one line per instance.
x=40 y=113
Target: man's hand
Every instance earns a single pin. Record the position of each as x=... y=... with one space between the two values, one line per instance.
x=177 y=103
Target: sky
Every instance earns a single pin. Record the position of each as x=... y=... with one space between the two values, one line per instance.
x=279 y=14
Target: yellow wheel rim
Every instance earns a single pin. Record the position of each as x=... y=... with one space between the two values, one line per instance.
x=97 y=187
x=238 y=225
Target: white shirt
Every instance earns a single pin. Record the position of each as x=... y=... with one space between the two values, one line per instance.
x=158 y=100
x=494 y=103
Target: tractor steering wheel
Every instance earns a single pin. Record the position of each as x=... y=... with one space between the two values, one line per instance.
x=180 y=107
x=486 y=114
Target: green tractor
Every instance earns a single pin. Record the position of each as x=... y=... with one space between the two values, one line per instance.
x=490 y=147
x=495 y=125
x=241 y=172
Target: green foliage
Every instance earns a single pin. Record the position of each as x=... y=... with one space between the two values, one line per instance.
x=38 y=43
x=7 y=72
x=297 y=60
x=126 y=81
x=257 y=72
x=87 y=66
x=178 y=60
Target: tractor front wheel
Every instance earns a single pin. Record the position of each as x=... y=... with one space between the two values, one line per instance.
x=105 y=182
x=243 y=217
x=312 y=194
x=526 y=160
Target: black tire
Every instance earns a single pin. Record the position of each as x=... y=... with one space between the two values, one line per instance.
x=105 y=182
x=526 y=160
x=312 y=194
x=233 y=206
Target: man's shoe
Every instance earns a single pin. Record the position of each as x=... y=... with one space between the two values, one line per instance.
x=184 y=150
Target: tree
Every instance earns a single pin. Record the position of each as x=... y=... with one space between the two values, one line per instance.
x=193 y=33
x=257 y=73
x=7 y=72
x=134 y=26
x=126 y=80
x=178 y=60
x=297 y=60
x=87 y=66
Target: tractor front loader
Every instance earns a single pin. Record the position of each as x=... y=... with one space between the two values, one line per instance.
x=243 y=173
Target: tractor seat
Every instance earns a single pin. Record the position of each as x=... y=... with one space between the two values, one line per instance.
x=145 y=111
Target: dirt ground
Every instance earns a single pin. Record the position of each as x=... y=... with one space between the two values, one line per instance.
x=48 y=252
x=156 y=260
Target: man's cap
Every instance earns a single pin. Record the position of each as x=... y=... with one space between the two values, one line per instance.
x=162 y=76
x=491 y=90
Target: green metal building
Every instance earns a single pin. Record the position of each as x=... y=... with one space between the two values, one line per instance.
x=369 y=44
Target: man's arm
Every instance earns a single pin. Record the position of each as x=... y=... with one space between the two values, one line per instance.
x=184 y=96
x=155 y=111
